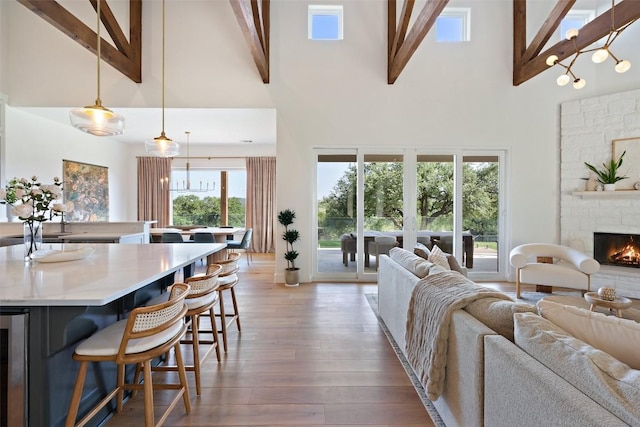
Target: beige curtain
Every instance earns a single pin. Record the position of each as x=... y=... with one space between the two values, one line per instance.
x=153 y=197
x=261 y=202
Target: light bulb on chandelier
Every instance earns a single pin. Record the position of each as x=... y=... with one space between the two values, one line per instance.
x=600 y=54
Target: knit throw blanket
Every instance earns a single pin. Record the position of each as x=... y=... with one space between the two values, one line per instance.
x=432 y=303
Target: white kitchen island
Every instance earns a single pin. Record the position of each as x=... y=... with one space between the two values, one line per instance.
x=63 y=303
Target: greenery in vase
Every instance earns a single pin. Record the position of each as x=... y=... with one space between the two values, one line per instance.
x=290 y=236
x=609 y=173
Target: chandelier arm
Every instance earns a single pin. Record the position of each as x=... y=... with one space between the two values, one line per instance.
x=614 y=57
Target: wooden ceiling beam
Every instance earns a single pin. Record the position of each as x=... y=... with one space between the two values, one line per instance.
x=127 y=61
x=419 y=30
x=547 y=29
x=401 y=32
x=255 y=29
x=625 y=12
x=112 y=26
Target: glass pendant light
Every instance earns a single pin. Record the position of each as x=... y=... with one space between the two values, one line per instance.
x=162 y=146
x=96 y=119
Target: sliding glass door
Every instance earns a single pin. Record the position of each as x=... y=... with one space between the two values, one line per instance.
x=452 y=200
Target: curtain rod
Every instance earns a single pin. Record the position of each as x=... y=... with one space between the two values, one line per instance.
x=203 y=157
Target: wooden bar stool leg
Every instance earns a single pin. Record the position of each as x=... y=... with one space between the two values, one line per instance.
x=196 y=351
x=76 y=395
x=223 y=321
x=120 y=382
x=214 y=331
x=182 y=374
x=148 y=395
x=235 y=308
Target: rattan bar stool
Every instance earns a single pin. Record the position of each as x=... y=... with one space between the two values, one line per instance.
x=147 y=333
x=227 y=280
x=201 y=299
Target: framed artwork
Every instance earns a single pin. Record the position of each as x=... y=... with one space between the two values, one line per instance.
x=87 y=186
x=630 y=163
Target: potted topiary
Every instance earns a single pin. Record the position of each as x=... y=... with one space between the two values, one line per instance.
x=608 y=175
x=292 y=273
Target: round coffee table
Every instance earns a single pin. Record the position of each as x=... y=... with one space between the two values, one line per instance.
x=617 y=304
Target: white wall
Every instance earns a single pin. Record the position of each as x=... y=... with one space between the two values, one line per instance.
x=334 y=94
x=37 y=146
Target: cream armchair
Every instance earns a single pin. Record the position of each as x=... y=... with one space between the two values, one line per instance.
x=569 y=268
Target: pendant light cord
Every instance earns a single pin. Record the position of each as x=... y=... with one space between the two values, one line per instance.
x=98 y=102
x=163 y=31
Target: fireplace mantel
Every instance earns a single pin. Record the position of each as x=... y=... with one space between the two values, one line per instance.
x=620 y=194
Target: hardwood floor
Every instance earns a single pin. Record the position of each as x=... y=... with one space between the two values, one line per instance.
x=313 y=355
x=307 y=356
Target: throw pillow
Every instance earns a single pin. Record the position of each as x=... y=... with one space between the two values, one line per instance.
x=595 y=373
x=497 y=313
x=412 y=262
x=618 y=337
x=453 y=263
x=438 y=257
x=421 y=250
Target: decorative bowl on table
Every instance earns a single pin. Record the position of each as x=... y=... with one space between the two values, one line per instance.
x=67 y=254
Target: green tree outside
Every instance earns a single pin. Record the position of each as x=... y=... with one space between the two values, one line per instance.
x=189 y=209
x=384 y=199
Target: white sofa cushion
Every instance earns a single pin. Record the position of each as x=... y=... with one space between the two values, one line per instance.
x=618 y=337
x=412 y=262
x=438 y=257
x=603 y=378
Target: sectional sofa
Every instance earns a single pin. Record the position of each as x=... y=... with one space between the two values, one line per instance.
x=547 y=377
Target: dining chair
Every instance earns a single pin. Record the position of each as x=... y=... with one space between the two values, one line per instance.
x=147 y=333
x=244 y=244
x=172 y=237
x=382 y=245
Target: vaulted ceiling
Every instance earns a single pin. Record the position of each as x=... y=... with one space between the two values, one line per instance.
x=403 y=39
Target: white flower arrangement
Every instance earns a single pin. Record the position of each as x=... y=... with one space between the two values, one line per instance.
x=32 y=200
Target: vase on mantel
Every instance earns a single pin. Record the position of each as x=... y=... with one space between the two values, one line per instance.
x=32 y=238
x=610 y=187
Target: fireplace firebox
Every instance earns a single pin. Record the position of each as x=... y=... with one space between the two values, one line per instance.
x=617 y=249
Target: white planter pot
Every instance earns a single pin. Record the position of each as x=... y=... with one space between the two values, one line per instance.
x=609 y=187
x=292 y=277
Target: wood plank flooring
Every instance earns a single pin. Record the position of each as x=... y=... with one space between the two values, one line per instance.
x=307 y=356
x=313 y=355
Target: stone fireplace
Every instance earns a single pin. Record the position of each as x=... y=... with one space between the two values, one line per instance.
x=588 y=127
x=619 y=249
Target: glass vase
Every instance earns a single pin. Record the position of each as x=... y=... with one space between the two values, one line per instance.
x=32 y=238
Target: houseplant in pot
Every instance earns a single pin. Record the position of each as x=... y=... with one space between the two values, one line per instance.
x=290 y=235
x=608 y=175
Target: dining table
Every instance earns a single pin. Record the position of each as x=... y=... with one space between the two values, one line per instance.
x=60 y=300
x=219 y=233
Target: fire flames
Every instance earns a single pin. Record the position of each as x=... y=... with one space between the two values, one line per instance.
x=627 y=255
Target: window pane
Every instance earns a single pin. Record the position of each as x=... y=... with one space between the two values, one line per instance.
x=196 y=199
x=324 y=27
x=567 y=24
x=449 y=29
x=336 y=189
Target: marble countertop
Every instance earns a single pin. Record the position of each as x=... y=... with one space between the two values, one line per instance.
x=110 y=272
